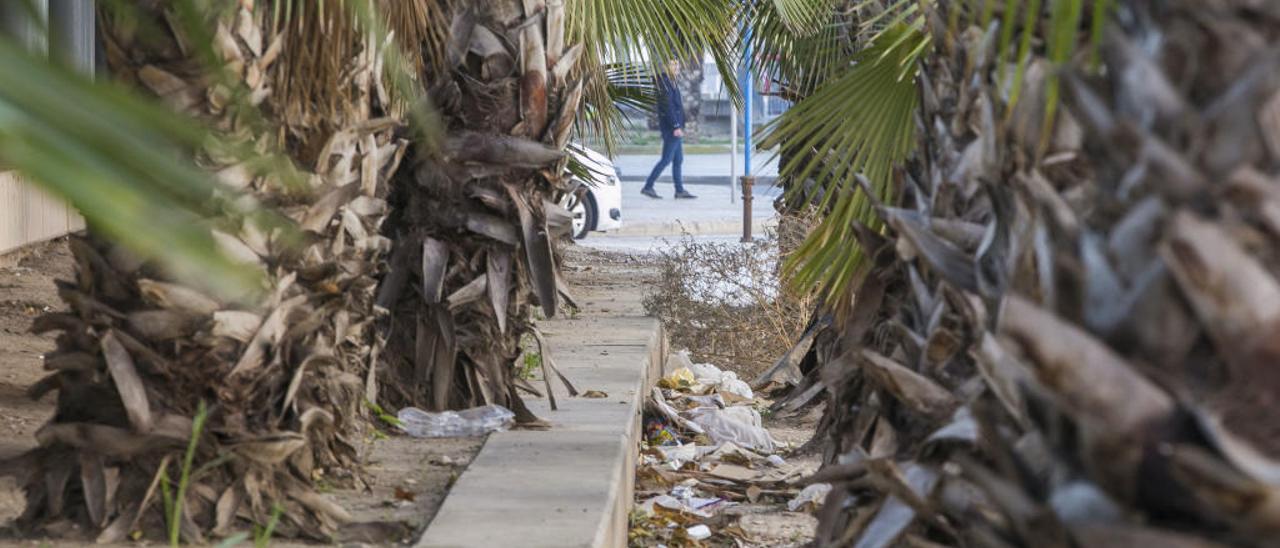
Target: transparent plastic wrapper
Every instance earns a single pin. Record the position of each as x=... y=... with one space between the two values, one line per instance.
x=476 y=421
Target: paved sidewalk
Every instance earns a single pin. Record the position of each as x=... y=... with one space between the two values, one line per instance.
x=573 y=485
x=710 y=213
x=698 y=169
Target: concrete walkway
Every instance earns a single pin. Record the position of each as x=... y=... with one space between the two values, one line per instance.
x=710 y=213
x=572 y=485
x=699 y=169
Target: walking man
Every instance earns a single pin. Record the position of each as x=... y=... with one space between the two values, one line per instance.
x=671 y=124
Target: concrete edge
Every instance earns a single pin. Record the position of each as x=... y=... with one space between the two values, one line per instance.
x=614 y=531
x=605 y=508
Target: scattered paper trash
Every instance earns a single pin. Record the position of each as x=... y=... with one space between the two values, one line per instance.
x=477 y=421
x=706 y=452
x=811 y=495
x=674 y=504
x=698 y=532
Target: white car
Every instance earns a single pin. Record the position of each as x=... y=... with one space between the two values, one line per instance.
x=597 y=204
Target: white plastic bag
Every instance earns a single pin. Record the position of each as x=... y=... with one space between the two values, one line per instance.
x=813 y=494
x=739 y=424
x=729 y=383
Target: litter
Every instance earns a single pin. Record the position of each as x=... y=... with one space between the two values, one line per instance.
x=698 y=532
x=673 y=504
x=739 y=424
x=706 y=450
x=813 y=494
x=705 y=400
x=733 y=472
x=730 y=383
x=661 y=405
x=710 y=376
x=657 y=433
x=679 y=379
x=477 y=421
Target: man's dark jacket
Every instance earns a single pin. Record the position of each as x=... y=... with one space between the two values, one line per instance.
x=670 y=106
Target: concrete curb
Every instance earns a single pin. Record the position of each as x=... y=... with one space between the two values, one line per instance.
x=572 y=485
x=763 y=181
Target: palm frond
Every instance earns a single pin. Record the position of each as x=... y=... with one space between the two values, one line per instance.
x=801 y=17
x=799 y=58
x=119 y=160
x=856 y=115
x=647 y=33
x=859 y=125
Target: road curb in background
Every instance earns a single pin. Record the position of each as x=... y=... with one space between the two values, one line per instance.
x=692 y=228
x=704 y=180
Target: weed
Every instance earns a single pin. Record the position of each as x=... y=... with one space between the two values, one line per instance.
x=173 y=502
x=726 y=303
x=530 y=358
x=382 y=414
x=262 y=535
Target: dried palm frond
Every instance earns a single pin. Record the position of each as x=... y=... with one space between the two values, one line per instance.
x=1094 y=368
x=283 y=369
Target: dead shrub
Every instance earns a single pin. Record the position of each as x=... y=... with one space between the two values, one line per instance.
x=725 y=303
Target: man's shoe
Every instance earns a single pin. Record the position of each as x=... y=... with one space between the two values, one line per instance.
x=684 y=194
x=650 y=193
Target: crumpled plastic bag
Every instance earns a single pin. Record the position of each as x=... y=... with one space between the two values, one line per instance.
x=730 y=383
x=710 y=375
x=811 y=495
x=681 y=378
x=706 y=373
x=739 y=424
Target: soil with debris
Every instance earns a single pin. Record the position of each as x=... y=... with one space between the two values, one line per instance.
x=26 y=291
x=406 y=479
x=753 y=512
x=703 y=489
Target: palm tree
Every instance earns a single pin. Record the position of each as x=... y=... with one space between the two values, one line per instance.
x=1049 y=315
x=378 y=224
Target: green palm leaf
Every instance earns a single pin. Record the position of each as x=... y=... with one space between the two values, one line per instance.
x=119 y=160
x=861 y=124
x=644 y=33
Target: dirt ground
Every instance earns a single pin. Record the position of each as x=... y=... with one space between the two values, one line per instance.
x=407 y=478
x=26 y=291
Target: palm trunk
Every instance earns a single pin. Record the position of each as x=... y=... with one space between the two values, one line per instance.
x=1095 y=366
x=284 y=377
x=473 y=241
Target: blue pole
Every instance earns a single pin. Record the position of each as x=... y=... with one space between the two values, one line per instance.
x=749 y=94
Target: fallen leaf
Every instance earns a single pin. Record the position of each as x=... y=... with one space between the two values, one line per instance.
x=594 y=394
x=402 y=494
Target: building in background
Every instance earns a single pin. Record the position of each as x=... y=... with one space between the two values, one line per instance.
x=64 y=31
x=707 y=106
